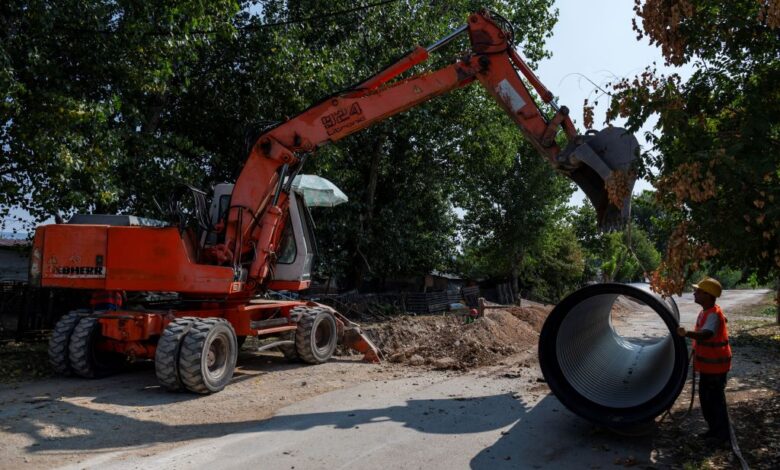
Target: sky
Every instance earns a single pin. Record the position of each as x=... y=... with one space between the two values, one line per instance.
x=592 y=40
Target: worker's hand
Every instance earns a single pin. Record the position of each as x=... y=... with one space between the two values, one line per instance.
x=681 y=331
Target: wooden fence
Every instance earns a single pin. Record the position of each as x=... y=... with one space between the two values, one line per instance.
x=382 y=306
x=28 y=311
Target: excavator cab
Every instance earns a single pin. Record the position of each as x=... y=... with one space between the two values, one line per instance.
x=297 y=245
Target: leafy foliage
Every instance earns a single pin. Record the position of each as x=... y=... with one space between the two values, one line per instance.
x=554 y=267
x=112 y=103
x=90 y=90
x=510 y=213
x=625 y=256
x=715 y=156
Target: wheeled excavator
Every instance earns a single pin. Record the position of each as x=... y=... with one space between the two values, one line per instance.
x=256 y=236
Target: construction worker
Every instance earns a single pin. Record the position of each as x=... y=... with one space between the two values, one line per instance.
x=471 y=317
x=712 y=358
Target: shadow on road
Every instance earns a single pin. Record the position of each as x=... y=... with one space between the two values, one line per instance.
x=541 y=435
x=434 y=416
x=549 y=436
x=67 y=426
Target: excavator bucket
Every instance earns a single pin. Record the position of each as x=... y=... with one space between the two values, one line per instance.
x=352 y=337
x=601 y=163
x=357 y=341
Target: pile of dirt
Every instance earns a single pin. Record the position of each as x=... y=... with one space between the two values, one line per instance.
x=446 y=342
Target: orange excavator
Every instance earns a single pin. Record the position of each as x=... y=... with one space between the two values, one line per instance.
x=255 y=236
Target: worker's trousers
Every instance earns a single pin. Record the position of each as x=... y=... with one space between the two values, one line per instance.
x=712 y=396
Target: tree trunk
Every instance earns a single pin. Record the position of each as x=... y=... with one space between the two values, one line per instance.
x=777 y=300
x=367 y=215
x=517 y=261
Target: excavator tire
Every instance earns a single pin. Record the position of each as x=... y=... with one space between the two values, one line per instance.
x=289 y=351
x=59 y=341
x=166 y=357
x=85 y=360
x=316 y=336
x=208 y=355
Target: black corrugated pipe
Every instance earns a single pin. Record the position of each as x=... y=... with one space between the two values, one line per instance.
x=603 y=372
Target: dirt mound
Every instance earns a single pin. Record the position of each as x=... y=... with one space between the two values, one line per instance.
x=534 y=315
x=445 y=342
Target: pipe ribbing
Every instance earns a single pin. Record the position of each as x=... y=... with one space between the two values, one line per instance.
x=602 y=376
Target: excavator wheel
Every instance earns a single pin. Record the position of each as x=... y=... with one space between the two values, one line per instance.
x=85 y=359
x=166 y=357
x=208 y=355
x=316 y=336
x=59 y=341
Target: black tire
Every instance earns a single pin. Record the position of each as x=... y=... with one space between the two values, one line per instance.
x=59 y=341
x=208 y=356
x=166 y=357
x=85 y=360
x=290 y=352
x=316 y=336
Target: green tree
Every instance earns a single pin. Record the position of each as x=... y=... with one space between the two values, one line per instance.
x=509 y=208
x=88 y=89
x=625 y=256
x=401 y=175
x=111 y=103
x=715 y=156
x=555 y=265
x=593 y=241
x=653 y=219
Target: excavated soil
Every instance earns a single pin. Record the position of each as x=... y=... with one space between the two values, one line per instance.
x=446 y=342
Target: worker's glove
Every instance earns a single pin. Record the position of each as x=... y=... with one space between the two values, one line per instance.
x=681 y=331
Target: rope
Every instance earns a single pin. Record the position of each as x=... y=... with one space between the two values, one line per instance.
x=631 y=248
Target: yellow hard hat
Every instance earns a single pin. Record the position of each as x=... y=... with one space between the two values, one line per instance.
x=710 y=286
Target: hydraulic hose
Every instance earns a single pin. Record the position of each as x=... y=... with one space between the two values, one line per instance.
x=616 y=381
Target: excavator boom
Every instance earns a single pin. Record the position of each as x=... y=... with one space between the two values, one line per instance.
x=599 y=163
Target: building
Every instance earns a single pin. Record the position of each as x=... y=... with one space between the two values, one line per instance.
x=14 y=260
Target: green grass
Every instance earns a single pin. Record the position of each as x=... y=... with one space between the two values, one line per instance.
x=768 y=311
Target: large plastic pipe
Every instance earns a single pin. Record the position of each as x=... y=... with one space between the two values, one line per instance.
x=608 y=379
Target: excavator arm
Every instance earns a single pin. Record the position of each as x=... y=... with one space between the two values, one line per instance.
x=259 y=201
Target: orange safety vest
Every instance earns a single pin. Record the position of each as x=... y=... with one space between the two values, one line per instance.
x=106 y=298
x=712 y=356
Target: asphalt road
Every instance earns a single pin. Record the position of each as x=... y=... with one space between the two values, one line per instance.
x=497 y=418
x=730 y=301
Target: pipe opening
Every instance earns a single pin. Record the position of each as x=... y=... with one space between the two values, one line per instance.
x=609 y=353
x=633 y=321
